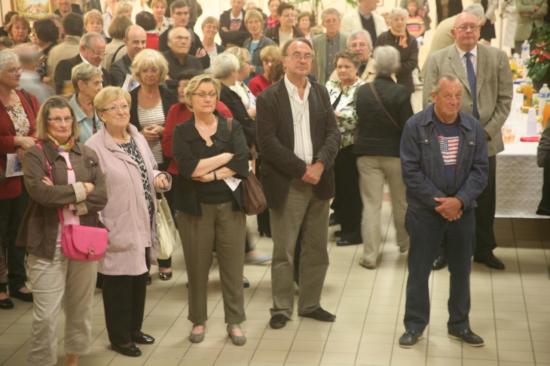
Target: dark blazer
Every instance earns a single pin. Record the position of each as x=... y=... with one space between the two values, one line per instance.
x=273 y=33
x=168 y=99
x=120 y=69
x=234 y=37
x=235 y=104
x=455 y=7
x=276 y=141
x=175 y=67
x=63 y=70
x=188 y=148
x=409 y=57
x=376 y=134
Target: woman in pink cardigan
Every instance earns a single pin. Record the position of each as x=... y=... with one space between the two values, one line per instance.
x=132 y=178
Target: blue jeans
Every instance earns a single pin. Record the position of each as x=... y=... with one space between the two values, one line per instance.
x=427 y=230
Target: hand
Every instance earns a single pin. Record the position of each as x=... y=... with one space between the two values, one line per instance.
x=225 y=29
x=313 y=173
x=161 y=182
x=20 y=154
x=251 y=112
x=227 y=157
x=209 y=177
x=24 y=142
x=449 y=207
x=201 y=52
x=151 y=133
x=224 y=172
x=47 y=181
x=89 y=187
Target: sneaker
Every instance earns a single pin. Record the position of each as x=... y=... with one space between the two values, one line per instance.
x=467 y=336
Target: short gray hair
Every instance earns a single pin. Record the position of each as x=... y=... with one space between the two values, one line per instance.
x=449 y=77
x=386 y=59
x=83 y=72
x=359 y=33
x=28 y=53
x=475 y=9
x=7 y=56
x=88 y=38
x=399 y=12
x=224 y=64
x=330 y=11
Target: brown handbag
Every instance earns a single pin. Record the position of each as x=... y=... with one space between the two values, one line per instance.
x=254 y=201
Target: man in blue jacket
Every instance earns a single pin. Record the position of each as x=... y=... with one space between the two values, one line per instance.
x=444 y=166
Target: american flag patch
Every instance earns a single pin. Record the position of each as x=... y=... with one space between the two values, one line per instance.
x=449 y=149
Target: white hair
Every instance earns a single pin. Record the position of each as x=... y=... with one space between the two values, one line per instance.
x=387 y=60
x=359 y=33
x=7 y=57
x=398 y=12
x=224 y=64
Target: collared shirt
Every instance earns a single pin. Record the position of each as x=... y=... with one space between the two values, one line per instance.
x=303 y=146
x=332 y=49
x=463 y=58
x=87 y=62
x=86 y=125
x=346 y=119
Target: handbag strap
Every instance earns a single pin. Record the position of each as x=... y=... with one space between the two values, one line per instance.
x=40 y=145
x=373 y=89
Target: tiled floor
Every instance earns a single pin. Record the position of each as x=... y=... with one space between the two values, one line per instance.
x=510 y=309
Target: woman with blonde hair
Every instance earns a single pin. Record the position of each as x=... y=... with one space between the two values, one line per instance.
x=132 y=179
x=254 y=22
x=93 y=21
x=63 y=178
x=18 y=29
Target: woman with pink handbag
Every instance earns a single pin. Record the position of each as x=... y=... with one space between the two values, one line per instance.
x=66 y=189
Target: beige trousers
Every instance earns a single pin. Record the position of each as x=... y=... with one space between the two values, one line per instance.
x=301 y=211
x=374 y=171
x=222 y=229
x=56 y=284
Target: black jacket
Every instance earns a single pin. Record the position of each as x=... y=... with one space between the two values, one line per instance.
x=196 y=45
x=167 y=96
x=273 y=33
x=233 y=37
x=175 y=67
x=376 y=134
x=409 y=57
x=276 y=141
x=62 y=73
x=120 y=69
x=235 y=104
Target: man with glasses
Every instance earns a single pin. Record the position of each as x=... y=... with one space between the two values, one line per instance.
x=178 y=57
x=299 y=140
x=92 y=51
x=486 y=82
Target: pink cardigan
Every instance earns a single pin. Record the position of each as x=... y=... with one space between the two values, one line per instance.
x=126 y=215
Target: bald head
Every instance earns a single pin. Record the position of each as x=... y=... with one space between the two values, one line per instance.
x=135 y=40
x=179 y=40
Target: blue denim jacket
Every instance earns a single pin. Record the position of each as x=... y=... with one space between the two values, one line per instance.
x=422 y=164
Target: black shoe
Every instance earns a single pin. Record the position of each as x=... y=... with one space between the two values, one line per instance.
x=338 y=233
x=342 y=242
x=439 y=263
x=320 y=314
x=165 y=276
x=130 y=351
x=491 y=261
x=142 y=338
x=246 y=282
x=6 y=304
x=409 y=339
x=278 y=321
x=27 y=297
x=149 y=280
x=467 y=336
x=332 y=220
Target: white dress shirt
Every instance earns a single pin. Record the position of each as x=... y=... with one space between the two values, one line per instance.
x=303 y=147
x=473 y=58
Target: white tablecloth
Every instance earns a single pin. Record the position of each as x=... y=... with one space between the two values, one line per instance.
x=518 y=178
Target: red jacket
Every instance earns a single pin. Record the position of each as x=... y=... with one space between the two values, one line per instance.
x=258 y=84
x=178 y=114
x=11 y=188
x=152 y=41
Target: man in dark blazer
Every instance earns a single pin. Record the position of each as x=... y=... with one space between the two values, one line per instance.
x=135 y=40
x=487 y=95
x=232 y=28
x=178 y=56
x=299 y=140
x=92 y=51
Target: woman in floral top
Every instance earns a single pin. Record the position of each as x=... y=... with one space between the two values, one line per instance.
x=347 y=201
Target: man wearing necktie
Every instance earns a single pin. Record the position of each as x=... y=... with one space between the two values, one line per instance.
x=487 y=92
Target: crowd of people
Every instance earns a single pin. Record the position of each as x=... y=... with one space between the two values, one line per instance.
x=108 y=108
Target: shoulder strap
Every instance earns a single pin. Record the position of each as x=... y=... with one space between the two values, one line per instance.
x=115 y=54
x=229 y=124
x=40 y=145
x=373 y=89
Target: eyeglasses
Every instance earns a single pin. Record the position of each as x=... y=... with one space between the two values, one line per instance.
x=467 y=27
x=14 y=70
x=60 y=120
x=297 y=56
x=122 y=108
x=205 y=95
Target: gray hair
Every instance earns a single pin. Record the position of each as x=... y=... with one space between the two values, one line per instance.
x=6 y=57
x=88 y=38
x=449 y=77
x=330 y=11
x=475 y=9
x=359 y=33
x=399 y=12
x=224 y=64
x=28 y=53
x=84 y=72
x=387 y=60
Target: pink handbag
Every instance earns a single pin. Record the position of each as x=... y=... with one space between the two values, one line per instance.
x=80 y=242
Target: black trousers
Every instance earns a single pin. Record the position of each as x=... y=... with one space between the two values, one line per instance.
x=124 y=304
x=11 y=215
x=347 y=203
x=485 y=215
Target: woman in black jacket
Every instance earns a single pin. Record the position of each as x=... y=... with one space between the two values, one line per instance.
x=383 y=107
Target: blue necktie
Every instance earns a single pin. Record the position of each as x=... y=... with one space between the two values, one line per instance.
x=473 y=82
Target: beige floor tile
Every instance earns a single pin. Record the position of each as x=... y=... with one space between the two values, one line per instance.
x=443 y=361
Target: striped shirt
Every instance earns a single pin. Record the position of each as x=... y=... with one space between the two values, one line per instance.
x=153 y=116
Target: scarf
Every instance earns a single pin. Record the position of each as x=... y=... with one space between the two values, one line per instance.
x=67 y=146
x=402 y=37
